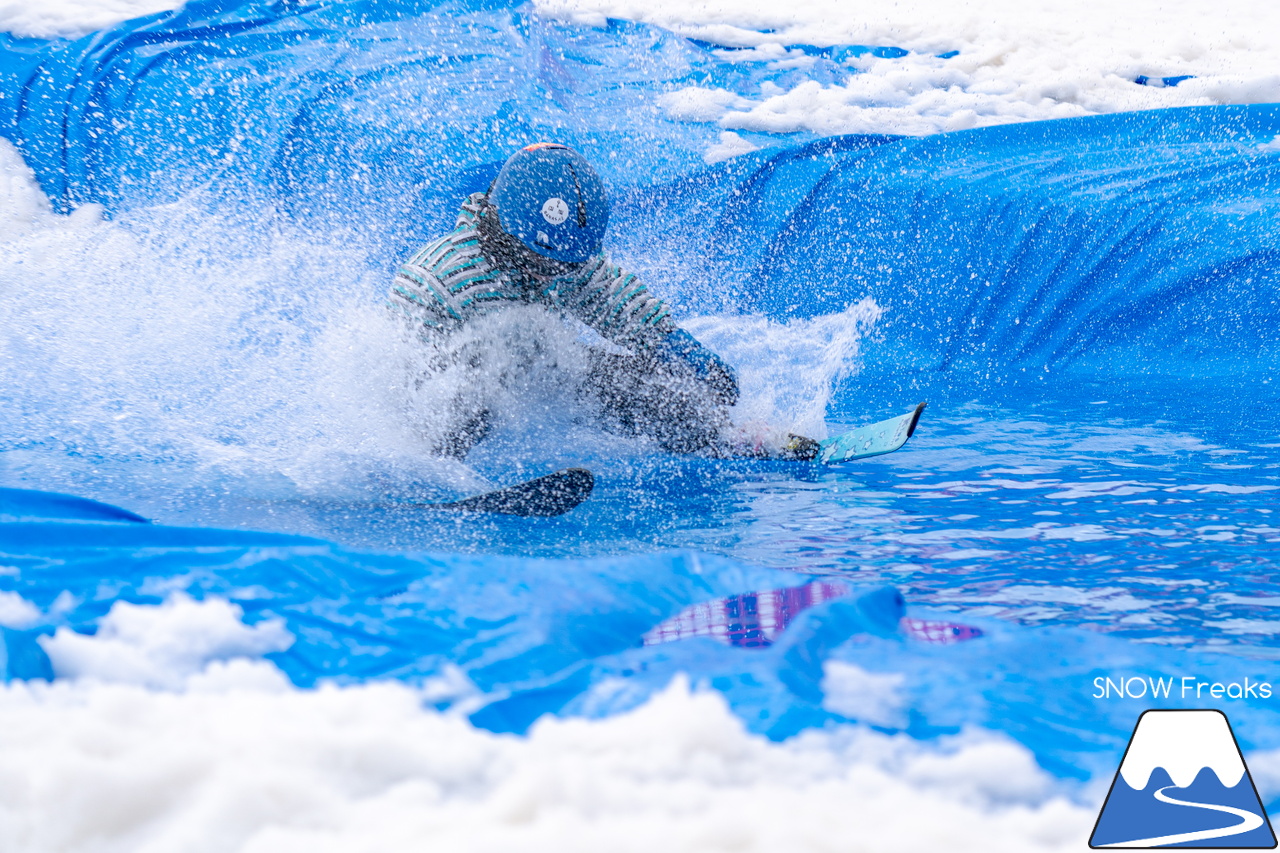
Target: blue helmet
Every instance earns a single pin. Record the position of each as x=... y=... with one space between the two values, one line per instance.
x=549 y=198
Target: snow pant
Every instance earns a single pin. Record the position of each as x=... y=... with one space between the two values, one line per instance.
x=641 y=396
x=629 y=395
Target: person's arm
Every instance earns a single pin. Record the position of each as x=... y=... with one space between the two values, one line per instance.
x=619 y=306
x=418 y=291
x=614 y=303
x=417 y=296
x=683 y=351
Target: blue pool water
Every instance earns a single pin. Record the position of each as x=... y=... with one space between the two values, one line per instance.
x=1089 y=306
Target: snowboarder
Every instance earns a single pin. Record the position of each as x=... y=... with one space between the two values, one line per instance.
x=534 y=238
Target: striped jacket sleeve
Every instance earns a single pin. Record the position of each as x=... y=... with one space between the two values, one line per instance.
x=419 y=295
x=616 y=304
x=449 y=279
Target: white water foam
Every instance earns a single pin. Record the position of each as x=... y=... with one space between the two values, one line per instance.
x=246 y=347
x=251 y=355
x=789 y=370
x=247 y=352
x=1014 y=60
x=229 y=757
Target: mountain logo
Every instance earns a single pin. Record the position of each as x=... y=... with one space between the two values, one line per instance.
x=1183 y=783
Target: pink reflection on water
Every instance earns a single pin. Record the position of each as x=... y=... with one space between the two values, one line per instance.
x=755 y=619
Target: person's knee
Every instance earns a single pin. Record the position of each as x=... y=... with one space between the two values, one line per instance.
x=467 y=430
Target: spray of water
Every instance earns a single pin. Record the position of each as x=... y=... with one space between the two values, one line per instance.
x=788 y=371
x=242 y=351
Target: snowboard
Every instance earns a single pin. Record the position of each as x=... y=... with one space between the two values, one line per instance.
x=543 y=497
x=555 y=494
x=861 y=443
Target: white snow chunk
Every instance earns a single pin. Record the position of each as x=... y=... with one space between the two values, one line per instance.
x=162 y=646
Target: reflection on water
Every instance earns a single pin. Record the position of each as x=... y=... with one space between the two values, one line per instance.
x=1095 y=515
x=755 y=619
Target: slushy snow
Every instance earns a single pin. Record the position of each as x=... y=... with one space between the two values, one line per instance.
x=967 y=64
x=17 y=612
x=69 y=19
x=161 y=646
x=231 y=757
x=241 y=761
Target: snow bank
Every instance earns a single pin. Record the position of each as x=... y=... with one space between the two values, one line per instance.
x=954 y=66
x=247 y=767
x=74 y=18
x=228 y=756
x=965 y=64
x=16 y=611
